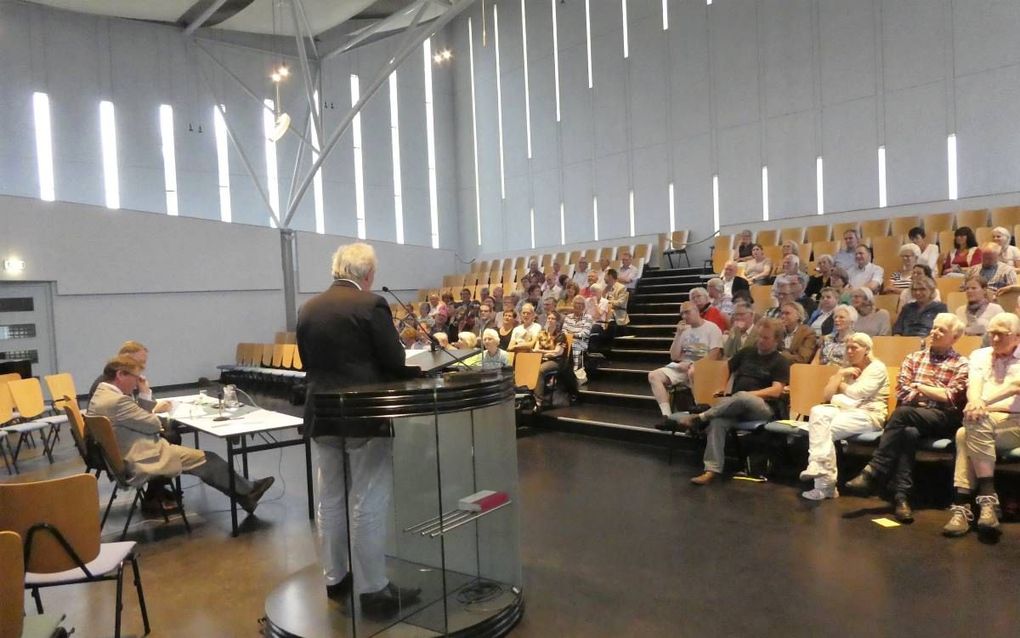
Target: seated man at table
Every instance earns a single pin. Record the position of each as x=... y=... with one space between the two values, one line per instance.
x=759 y=375
x=146 y=454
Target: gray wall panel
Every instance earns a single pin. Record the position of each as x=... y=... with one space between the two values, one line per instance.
x=740 y=174
x=734 y=61
x=988 y=149
x=913 y=42
x=850 y=143
x=847 y=49
x=916 y=144
x=787 y=40
x=790 y=154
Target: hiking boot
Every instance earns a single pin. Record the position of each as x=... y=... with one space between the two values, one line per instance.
x=960 y=522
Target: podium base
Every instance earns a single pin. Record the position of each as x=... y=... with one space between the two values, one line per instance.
x=299 y=608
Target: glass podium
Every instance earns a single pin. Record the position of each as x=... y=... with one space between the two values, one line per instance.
x=453 y=522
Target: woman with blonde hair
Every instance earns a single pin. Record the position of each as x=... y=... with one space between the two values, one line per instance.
x=870 y=320
x=857 y=401
x=1010 y=254
x=833 y=348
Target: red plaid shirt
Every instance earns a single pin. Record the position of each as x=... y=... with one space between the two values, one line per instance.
x=948 y=371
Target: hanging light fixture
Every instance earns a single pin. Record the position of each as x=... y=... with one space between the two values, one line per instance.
x=281 y=121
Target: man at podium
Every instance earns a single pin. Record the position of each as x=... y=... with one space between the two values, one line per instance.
x=346 y=337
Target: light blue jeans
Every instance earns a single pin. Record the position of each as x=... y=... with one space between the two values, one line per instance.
x=724 y=416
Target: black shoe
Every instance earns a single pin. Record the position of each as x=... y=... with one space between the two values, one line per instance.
x=666 y=425
x=861 y=485
x=342 y=590
x=902 y=511
x=250 y=501
x=388 y=600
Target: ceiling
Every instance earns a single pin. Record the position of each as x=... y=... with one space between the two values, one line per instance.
x=250 y=16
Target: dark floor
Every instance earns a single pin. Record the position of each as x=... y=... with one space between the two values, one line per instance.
x=615 y=543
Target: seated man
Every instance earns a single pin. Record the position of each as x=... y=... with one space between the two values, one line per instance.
x=703 y=302
x=486 y=319
x=991 y=420
x=930 y=392
x=618 y=296
x=733 y=283
x=863 y=273
x=146 y=454
x=524 y=337
x=628 y=273
x=758 y=377
x=782 y=293
x=719 y=299
x=743 y=332
x=695 y=339
x=1000 y=276
x=789 y=270
x=799 y=341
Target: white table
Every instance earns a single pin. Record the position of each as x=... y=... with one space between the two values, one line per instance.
x=201 y=414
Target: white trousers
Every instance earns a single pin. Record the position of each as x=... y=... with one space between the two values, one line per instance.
x=370 y=470
x=828 y=423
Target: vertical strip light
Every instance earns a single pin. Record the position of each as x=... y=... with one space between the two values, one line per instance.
x=359 y=162
x=499 y=100
x=630 y=208
x=882 y=198
x=166 y=133
x=672 y=209
x=108 y=134
x=665 y=15
x=527 y=83
x=587 y=40
x=951 y=160
x=563 y=225
x=222 y=163
x=765 y=193
x=44 y=146
x=272 y=169
x=320 y=210
x=820 y=184
x=715 y=203
x=556 y=58
x=430 y=140
x=531 y=215
x=595 y=214
x=398 y=196
x=626 y=36
x=474 y=131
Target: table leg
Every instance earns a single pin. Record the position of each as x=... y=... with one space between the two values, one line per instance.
x=308 y=474
x=244 y=455
x=233 y=486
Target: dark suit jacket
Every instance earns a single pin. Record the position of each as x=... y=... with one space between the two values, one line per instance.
x=346 y=337
x=739 y=283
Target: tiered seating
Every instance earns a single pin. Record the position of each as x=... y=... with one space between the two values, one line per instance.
x=260 y=363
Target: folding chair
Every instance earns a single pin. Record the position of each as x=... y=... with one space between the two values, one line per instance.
x=59 y=520
x=13 y=621
x=101 y=430
x=24 y=429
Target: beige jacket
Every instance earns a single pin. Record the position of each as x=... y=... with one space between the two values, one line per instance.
x=618 y=296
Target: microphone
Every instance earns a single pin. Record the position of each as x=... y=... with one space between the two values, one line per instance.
x=432 y=339
x=221 y=416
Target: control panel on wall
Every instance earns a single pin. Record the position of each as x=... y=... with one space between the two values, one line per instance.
x=26 y=326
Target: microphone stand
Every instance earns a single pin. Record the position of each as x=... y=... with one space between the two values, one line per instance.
x=432 y=339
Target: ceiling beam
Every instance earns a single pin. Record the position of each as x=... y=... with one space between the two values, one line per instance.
x=203 y=17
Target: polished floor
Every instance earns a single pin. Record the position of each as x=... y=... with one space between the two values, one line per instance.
x=615 y=543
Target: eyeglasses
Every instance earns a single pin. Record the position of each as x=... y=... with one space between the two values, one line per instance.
x=1000 y=334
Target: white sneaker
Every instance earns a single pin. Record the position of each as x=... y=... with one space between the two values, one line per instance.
x=812 y=472
x=821 y=493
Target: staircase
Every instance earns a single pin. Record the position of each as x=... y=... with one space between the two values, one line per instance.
x=617 y=399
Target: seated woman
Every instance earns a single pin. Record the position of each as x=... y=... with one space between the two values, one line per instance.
x=493 y=357
x=759 y=267
x=821 y=319
x=552 y=343
x=899 y=280
x=857 y=401
x=838 y=281
x=597 y=307
x=978 y=310
x=824 y=264
x=742 y=251
x=907 y=295
x=870 y=320
x=507 y=328
x=833 y=349
x=799 y=342
x=566 y=302
x=915 y=319
x=579 y=324
x=964 y=254
x=1010 y=254
x=929 y=251
x=593 y=278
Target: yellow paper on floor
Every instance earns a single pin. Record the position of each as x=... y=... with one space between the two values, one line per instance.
x=885 y=522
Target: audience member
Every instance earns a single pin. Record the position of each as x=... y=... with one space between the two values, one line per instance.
x=570 y=290
x=864 y=273
x=551 y=286
x=732 y=282
x=789 y=272
x=857 y=401
x=797 y=294
x=718 y=297
x=695 y=339
x=899 y=280
x=618 y=296
x=742 y=251
x=525 y=336
x=759 y=267
x=799 y=342
x=907 y=295
x=703 y=302
x=930 y=394
x=497 y=296
x=989 y=423
x=506 y=328
x=824 y=264
x=463 y=320
x=743 y=331
x=580 y=276
x=838 y=281
x=579 y=324
x=847 y=257
x=533 y=297
x=1008 y=253
x=413 y=338
x=510 y=302
x=870 y=320
x=758 y=378
x=486 y=319
x=465 y=299
x=821 y=319
x=593 y=278
x=929 y=251
x=833 y=348
x=999 y=275
x=978 y=310
x=465 y=341
x=552 y=343
x=964 y=254
x=603 y=266
x=915 y=319
x=628 y=274
x=493 y=357
x=533 y=277
x=597 y=305
x=789 y=247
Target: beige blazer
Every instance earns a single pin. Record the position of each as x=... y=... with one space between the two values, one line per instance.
x=618 y=296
